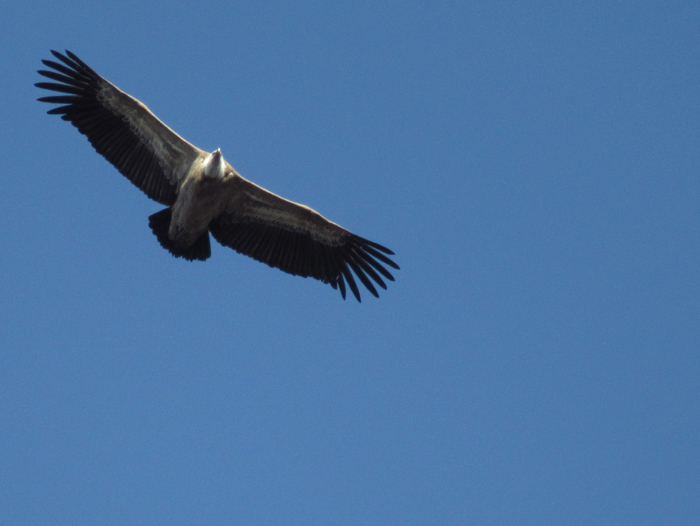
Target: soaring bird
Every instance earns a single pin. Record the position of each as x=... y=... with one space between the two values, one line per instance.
x=203 y=193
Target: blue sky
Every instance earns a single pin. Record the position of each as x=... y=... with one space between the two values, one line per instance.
x=535 y=167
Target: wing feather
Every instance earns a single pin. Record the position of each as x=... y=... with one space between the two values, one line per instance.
x=122 y=129
x=300 y=241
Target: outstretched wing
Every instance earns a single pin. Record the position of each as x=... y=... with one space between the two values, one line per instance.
x=296 y=239
x=122 y=129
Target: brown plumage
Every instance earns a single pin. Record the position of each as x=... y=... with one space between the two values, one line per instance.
x=203 y=193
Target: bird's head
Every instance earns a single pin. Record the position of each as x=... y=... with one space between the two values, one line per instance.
x=213 y=166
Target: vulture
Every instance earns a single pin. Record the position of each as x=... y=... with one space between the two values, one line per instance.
x=203 y=193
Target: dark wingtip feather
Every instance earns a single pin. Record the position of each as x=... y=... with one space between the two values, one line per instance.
x=376 y=245
x=61 y=110
x=371 y=261
x=63 y=99
x=363 y=278
x=381 y=257
x=80 y=62
x=341 y=285
x=63 y=58
x=361 y=260
x=351 y=282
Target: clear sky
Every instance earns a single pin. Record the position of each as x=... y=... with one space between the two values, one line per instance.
x=534 y=165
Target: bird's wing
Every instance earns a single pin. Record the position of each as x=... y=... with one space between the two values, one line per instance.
x=122 y=129
x=298 y=240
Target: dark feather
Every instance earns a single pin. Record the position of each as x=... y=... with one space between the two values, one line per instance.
x=299 y=254
x=107 y=129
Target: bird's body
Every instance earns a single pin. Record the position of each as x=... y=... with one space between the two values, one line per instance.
x=202 y=196
x=204 y=193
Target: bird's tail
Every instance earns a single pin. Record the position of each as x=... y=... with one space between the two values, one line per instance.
x=160 y=224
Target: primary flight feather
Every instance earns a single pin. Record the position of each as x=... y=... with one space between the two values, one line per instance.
x=203 y=193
